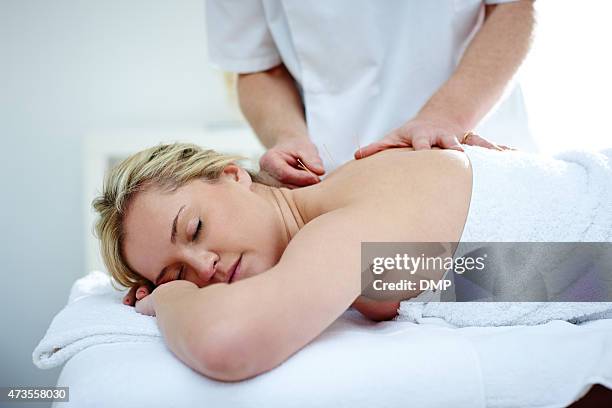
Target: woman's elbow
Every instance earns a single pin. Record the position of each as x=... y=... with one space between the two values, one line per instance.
x=226 y=355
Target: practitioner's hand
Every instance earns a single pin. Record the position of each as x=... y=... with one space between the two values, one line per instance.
x=281 y=162
x=423 y=133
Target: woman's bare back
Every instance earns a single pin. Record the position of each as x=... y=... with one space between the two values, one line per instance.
x=397 y=195
x=392 y=185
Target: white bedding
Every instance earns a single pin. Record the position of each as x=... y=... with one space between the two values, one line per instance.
x=357 y=363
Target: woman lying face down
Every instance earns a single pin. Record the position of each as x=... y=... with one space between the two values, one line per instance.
x=246 y=274
x=204 y=231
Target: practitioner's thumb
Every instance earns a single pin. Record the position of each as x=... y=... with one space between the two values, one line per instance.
x=368 y=150
x=314 y=163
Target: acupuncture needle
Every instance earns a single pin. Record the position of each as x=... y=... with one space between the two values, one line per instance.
x=330 y=156
x=305 y=168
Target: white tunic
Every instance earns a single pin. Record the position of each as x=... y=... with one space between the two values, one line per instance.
x=364 y=67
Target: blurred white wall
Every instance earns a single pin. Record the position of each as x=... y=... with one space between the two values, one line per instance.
x=567 y=79
x=70 y=68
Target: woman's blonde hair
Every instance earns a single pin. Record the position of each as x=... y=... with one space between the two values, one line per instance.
x=168 y=166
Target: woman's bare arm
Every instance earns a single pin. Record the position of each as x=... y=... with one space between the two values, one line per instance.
x=233 y=332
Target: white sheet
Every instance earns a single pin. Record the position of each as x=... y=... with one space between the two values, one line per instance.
x=356 y=363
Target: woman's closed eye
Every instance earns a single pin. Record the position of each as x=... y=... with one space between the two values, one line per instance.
x=181 y=273
x=194 y=238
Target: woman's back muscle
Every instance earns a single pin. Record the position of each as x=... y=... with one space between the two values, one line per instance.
x=398 y=195
x=401 y=186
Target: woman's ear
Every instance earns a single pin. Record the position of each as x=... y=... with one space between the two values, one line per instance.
x=236 y=173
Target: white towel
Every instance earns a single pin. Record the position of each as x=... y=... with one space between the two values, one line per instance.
x=598 y=167
x=483 y=314
x=566 y=198
x=94 y=315
x=523 y=197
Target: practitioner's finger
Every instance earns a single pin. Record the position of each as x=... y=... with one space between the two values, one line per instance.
x=279 y=168
x=369 y=150
x=390 y=141
x=313 y=162
x=291 y=186
x=421 y=143
x=475 y=140
x=449 y=142
x=508 y=148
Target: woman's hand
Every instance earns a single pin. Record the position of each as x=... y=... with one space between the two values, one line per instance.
x=422 y=133
x=145 y=305
x=136 y=293
x=144 y=299
x=138 y=296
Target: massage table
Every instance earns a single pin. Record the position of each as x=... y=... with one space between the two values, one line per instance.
x=360 y=363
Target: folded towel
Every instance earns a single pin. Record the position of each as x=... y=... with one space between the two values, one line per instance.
x=566 y=198
x=94 y=315
x=484 y=314
x=598 y=166
x=522 y=197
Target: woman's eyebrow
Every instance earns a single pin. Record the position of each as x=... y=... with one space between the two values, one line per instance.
x=172 y=239
x=173 y=233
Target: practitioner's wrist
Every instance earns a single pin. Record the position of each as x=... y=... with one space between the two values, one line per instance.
x=442 y=119
x=288 y=136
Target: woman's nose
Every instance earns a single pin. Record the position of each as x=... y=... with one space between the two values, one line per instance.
x=204 y=265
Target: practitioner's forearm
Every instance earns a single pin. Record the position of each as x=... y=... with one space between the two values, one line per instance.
x=271 y=103
x=489 y=63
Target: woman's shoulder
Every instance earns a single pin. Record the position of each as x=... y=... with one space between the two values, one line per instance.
x=401 y=160
x=390 y=174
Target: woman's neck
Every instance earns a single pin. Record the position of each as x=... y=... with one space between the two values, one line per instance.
x=290 y=205
x=291 y=218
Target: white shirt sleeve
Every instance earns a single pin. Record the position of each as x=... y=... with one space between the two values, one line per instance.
x=238 y=36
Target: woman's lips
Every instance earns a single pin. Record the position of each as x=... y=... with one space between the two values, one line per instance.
x=235 y=270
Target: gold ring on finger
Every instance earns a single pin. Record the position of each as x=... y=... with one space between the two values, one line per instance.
x=466 y=136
